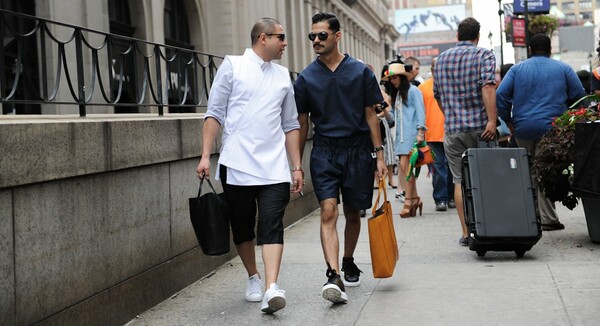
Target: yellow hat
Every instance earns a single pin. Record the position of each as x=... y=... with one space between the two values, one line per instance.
x=394 y=69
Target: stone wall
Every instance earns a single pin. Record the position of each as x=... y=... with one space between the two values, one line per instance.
x=94 y=221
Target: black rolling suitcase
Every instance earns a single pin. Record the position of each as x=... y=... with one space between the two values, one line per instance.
x=499 y=200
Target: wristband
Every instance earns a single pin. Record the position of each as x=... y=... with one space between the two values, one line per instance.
x=377 y=149
x=297 y=168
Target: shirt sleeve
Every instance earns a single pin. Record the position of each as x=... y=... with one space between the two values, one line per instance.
x=488 y=69
x=576 y=90
x=220 y=92
x=289 y=112
x=417 y=100
x=504 y=96
x=372 y=90
x=301 y=96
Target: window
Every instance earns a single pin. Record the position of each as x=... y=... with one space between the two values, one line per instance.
x=120 y=23
x=568 y=5
x=27 y=72
x=177 y=33
x=176 y=26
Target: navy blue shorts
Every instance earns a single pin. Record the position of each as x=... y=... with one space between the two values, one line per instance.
x=243 y=202
x=344 y=163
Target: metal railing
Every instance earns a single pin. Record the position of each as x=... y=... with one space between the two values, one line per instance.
x=119 y=71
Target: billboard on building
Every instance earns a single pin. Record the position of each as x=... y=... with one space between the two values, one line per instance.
x=429 y=19
x=424 y=52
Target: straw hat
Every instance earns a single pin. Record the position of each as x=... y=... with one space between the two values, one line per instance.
x=394 y=69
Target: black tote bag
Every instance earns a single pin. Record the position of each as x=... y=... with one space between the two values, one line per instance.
x=208 y=213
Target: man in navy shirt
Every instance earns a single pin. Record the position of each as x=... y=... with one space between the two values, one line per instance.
x=535 y=104
x=339 y=92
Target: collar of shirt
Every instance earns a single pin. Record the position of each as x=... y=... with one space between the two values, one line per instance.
x=264 y=65
x=465 y=43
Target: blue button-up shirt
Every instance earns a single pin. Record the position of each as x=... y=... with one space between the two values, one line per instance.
x=540 y=89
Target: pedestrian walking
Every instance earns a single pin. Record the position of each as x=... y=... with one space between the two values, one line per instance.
x=339 y=93
x=443 y=186
x=409 y=111
x=464 y=87
x=413 y=76
x=526 y=106
x=252 y=99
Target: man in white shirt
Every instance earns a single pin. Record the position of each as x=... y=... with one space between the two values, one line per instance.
x=253 y=99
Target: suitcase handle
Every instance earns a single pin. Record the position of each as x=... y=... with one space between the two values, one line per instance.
x=486 y=143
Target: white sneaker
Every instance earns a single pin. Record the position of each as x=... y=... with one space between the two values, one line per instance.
x=400 y=196
x=254 y=290
x=273 y=300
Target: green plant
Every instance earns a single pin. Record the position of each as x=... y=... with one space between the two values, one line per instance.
x=543 y=24
x=553 y=164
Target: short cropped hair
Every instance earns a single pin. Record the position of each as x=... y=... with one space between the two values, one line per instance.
x=540 y=43
x=412 y=60
x=468 y=29
x=331 y=19
x=264 y=25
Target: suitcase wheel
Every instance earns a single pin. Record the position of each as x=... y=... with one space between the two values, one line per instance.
x=481 y=253
x=520 y=253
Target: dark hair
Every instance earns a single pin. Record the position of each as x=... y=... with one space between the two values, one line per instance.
x=403 y=90
x=540 y=44
x=331 y=19
x=468 y=29
x=585 y=79
x=386 y=84
x=264 y=25
x=504 y=69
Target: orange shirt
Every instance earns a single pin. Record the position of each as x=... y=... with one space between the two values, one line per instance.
x=434 y=118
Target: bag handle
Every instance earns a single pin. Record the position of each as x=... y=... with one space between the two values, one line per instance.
x=209 y=183
x=381 y=188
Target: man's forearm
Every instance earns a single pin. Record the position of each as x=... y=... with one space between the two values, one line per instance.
x=210 y=129
x=489 y=101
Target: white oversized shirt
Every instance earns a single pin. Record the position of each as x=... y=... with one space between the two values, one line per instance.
x=254 y=102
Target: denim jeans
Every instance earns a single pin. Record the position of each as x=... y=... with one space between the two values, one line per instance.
x=443 y=187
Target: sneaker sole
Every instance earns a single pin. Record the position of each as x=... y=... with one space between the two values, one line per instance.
x=350 y=284
x=334 y=294
x=254 y=299
x=275 y=304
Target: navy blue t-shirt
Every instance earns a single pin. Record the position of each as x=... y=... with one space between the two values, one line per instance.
x=336 y=100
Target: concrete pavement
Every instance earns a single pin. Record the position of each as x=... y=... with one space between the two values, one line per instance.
x=436 y=281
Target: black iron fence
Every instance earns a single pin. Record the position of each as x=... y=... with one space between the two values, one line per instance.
x=48 y=62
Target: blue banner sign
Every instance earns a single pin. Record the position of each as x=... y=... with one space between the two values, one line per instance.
x=533 y=6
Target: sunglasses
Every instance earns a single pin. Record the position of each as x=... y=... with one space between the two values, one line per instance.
x=281 y=36
x=322 y=36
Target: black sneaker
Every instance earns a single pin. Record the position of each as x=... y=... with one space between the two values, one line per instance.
x=451 y=203
x=550 y=227
x=351 y=272
x=334 y=289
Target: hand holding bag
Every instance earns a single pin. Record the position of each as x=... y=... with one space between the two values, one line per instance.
x=420 y=155
x=425 y=156
x=208 y=213
x=382 y=236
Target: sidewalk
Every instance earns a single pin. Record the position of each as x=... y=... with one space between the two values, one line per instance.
x=436 y=281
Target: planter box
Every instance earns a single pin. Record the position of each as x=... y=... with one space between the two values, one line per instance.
x=586 y=155
x=586 y=182
x=591 y=207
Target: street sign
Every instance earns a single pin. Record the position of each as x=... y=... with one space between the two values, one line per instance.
x=533 y=6
x=518 y=32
